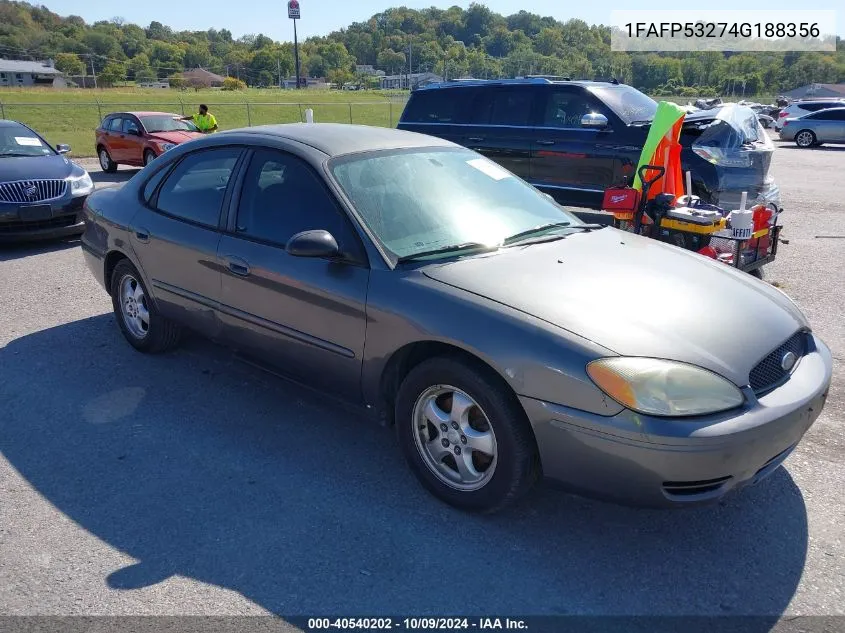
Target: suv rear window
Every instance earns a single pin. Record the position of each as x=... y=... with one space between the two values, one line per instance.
x=438 y=106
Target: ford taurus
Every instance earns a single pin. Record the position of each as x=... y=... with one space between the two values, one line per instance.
x=501 y=336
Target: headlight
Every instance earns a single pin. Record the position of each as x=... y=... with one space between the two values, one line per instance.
x=81 y=185
x=663 y=388
x=166 y=146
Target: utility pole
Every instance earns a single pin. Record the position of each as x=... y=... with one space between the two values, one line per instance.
x=296 y=54
x=279 y=70
x=93 y=72
x=410 y=66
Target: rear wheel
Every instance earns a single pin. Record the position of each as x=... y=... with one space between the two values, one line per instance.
x=141 y=324
x=106 y=163
x=149 y=156
x=465 y=436
x=805 y=138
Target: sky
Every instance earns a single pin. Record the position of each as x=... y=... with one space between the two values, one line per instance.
x=320 y=17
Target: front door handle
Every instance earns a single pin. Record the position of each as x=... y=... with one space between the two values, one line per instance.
x=545 y=142
x=237 y=265
x=475 y=139
x=142 y=235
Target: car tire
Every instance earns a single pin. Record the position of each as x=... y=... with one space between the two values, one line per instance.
x=139 y=320
x=149 y=156
x=106 y=163
x=757 y=272
x=805 y=138
x=504 y=464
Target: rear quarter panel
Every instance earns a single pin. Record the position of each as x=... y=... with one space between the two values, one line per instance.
x=107 y=214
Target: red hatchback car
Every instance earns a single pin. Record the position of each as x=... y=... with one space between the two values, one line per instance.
x=137 y=138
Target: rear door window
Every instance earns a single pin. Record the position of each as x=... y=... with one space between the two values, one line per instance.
x=505 y=106
x=438 y=106
x=195 y=189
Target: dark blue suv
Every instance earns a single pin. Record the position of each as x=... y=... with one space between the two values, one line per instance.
x=573 y=139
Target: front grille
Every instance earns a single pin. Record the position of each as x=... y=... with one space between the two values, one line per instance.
x=52 y=223
x=691 y=488
x=769 y=373
x=24 y=191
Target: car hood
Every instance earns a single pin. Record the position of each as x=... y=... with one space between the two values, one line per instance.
x=637 y=297
x=45 y=167
x=175 y=137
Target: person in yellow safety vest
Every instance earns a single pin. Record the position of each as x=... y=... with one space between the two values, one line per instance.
x=204 y=120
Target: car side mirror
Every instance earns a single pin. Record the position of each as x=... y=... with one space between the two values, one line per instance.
x=63 y=148
x=134 y=132
x=318 y=243
x=594 y=120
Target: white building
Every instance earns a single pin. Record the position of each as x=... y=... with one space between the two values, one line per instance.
x=23 y=73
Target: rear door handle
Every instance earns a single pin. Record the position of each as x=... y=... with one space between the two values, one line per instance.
x=237 y=265
x=142 y=235
x=545 y=142
x=475 y=139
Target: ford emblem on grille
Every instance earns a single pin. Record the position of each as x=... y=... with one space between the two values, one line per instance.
x=788 y=361
x=31 y=192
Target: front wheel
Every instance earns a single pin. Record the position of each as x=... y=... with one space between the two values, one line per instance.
x=805 y=138
x=149 y=156
x=465 y=436
x=139 y=320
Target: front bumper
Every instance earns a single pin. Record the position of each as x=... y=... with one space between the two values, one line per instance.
x=655 y=462
x=65 y=219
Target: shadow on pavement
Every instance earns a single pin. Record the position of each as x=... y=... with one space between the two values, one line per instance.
x=21 y=249
x=102 y=179
x=199 y=466
x=823 y=148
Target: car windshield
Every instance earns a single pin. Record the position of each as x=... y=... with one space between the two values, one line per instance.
x=631 y=105
x=19 y=141
x=427 y=199
x=166 y=123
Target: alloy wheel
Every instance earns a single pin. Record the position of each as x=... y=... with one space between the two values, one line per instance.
x=804 y=139
x=104 y=159
x=455 y=438
x=133 y=307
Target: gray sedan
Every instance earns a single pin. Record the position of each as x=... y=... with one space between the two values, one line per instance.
x=501 y=336
x=823 y=126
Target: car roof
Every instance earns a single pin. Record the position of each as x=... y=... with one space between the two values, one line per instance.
x=525 y=81
x=811 y=101
x=144 y=113
x=336 y=139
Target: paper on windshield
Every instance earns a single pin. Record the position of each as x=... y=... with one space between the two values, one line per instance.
x=29 y=141
x=489 y=168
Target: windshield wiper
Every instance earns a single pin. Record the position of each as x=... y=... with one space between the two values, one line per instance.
x=519 y=238
x=537 y=229
x=19 y=155
x=454 y=248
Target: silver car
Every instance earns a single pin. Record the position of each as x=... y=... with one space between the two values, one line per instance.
x=501 y=336
x=824 y=126
x=798 y=109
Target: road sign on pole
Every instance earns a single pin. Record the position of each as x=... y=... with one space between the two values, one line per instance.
x=293 y=9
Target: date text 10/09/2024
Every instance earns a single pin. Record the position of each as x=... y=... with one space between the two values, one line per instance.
x=711 y=30
x=416 y=624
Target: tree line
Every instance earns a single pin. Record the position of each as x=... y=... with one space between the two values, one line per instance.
x=454 y=43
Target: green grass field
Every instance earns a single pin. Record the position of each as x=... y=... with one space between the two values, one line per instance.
x=71 y=116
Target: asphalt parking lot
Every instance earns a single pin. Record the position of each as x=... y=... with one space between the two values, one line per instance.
x=193 y=484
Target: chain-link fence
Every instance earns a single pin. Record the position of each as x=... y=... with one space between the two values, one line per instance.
x=74 y=123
